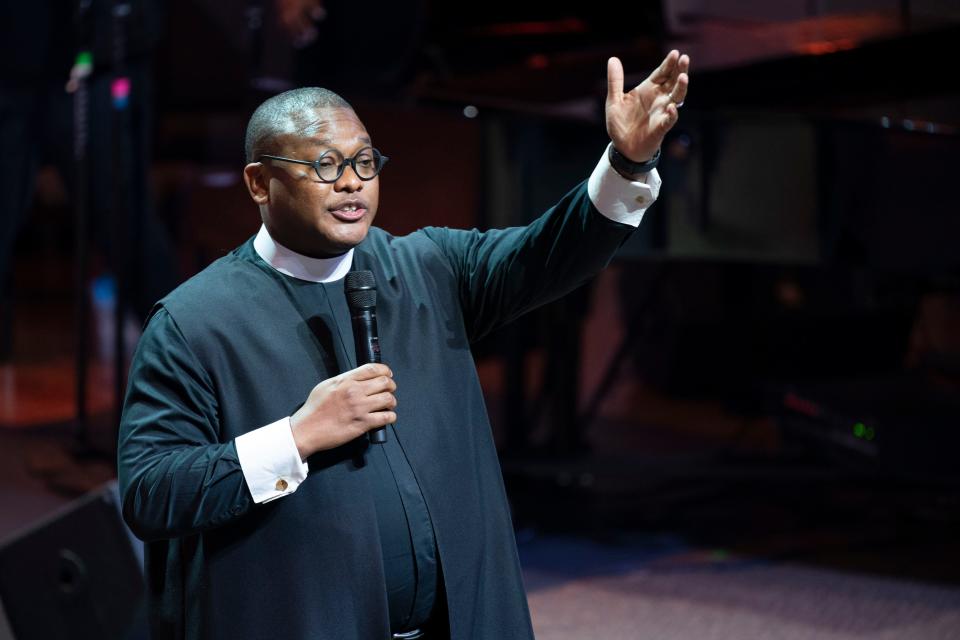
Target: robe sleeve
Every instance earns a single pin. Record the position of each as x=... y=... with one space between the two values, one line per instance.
x=503 y=273
x=176 y=477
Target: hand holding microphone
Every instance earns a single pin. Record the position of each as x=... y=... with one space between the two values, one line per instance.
x=345 y=407
x=361 y=290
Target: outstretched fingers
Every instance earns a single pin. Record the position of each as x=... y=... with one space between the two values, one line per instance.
x=614 y=79
x=666 y=72
x=668 y=118
x=678 y=92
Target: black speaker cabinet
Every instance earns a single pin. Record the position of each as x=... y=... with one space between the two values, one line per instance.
x=75 y=575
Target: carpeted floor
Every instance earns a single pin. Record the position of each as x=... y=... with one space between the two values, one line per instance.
x=658 y=588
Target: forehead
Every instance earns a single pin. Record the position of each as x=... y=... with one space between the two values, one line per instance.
x=339 y=129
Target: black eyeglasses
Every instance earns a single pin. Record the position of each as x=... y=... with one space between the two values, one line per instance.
x=330 y=166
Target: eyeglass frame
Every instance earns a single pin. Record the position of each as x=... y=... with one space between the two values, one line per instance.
x=352 y=161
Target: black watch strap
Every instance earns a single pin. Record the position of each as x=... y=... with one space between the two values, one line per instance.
x=627 y=167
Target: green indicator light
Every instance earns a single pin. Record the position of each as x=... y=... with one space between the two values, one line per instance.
x=871 y=434
x=84 y=58
x=859 y=430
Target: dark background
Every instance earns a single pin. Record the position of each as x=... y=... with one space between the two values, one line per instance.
x=746 y=427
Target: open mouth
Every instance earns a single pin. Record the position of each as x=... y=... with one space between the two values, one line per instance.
x=350 y=211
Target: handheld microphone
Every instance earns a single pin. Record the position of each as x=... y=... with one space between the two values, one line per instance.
x=361 y=290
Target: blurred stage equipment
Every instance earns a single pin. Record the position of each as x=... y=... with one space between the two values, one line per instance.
x=76 y=575
x=898 y=425
x=110 y=87
x=784 y=260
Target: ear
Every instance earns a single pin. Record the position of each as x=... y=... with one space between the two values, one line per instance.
x=258 y=182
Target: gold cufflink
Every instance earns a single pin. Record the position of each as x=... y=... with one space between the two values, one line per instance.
x=281 y=485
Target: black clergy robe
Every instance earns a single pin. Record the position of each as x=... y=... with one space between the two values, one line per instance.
x=232 y=350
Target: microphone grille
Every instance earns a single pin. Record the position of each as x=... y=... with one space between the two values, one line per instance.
x=361 y=289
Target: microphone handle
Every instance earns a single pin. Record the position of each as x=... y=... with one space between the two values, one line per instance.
x=367 y=343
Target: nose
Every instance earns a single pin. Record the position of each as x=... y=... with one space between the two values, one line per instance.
x=348 y=181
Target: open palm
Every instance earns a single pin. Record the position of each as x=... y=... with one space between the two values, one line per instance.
x=638 y=120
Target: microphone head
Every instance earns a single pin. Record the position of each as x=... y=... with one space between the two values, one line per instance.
x=361 y=290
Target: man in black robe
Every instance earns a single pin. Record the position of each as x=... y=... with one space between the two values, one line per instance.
x=241 y=456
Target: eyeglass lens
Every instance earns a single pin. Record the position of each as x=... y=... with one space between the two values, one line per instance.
x=367 y=164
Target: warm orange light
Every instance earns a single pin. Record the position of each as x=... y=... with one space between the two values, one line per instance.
x=822 y=47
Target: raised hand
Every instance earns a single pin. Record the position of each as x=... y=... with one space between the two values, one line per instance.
x=638 y=120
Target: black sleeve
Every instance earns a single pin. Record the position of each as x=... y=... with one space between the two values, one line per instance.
x=504 y=273
x=176 y=477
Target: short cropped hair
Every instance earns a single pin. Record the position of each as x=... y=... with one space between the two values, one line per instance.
x=287 y=112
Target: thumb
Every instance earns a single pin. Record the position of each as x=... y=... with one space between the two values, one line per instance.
x=614 y=79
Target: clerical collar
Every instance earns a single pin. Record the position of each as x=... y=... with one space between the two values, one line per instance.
x=297 y=265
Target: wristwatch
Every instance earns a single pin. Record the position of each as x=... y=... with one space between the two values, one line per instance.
x=627 y=167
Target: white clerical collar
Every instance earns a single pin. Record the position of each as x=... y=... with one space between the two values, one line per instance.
x=300 y=266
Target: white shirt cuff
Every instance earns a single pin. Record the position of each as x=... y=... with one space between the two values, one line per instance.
x=270 y=461
x=620 y=199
